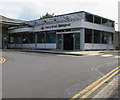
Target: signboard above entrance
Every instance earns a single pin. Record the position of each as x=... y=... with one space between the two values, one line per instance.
x=55 y=26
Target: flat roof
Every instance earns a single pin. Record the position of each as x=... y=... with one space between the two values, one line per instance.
x=60 y=19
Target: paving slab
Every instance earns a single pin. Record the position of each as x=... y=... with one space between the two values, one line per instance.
x=111 y=90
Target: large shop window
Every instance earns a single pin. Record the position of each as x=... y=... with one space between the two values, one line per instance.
x=50 y=37
x=59 y=41
x=88 y=17
x=97 y=20
x=18 y=39
x=110 y=38
x=104 y=38
x=41 y=37
x=25 y=38
x=110 y=23
x=11 y=39
x=32 y=38
x=96 y=36
x=77 y=40
x=104 y=22
x=88 y=36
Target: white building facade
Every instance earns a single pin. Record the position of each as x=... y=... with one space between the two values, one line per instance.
x=74 y=31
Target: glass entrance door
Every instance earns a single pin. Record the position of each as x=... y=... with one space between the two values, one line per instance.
x=68 y=42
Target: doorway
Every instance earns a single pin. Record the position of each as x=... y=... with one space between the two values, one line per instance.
x=68 y=41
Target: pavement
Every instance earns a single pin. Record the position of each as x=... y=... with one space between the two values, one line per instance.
x=111 y=90
x=75 y=53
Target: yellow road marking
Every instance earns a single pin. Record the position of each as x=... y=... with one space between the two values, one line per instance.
x=93 y=84
x=2 y=60
x=97 y=86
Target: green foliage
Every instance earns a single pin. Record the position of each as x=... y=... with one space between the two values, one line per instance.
x=47 y=15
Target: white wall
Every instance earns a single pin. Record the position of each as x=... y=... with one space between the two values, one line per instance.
x=18 y=45
x=27 y=29
x=46 y=46
x=32 y=46
x=11 y=45
x=89 y=46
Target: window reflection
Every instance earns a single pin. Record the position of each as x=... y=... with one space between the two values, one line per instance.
x=89 y=17
x=97 y=20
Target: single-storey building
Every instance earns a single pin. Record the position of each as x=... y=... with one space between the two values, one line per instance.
x=117 y=40
x=5 y=25
x=73 y=31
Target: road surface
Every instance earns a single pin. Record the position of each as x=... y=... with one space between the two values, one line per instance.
x=37 y=75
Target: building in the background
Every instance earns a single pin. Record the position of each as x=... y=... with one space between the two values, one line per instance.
x=117 y=40
x=5 y=25
x=74 y=31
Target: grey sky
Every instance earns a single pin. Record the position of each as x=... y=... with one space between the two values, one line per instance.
x=33 y=9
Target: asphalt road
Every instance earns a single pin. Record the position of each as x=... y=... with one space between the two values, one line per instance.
x=34 y=75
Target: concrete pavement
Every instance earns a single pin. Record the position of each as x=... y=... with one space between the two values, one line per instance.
x=76 y=53
x=111 y=90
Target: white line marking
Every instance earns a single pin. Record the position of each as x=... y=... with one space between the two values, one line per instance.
x=94 y=54
x=107 y=55
x=117 y=56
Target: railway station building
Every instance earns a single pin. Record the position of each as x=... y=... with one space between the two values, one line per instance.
x=73 y=31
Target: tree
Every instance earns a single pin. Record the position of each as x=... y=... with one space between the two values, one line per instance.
x=47 y=15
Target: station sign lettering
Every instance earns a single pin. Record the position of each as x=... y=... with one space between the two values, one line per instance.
x=55 y=26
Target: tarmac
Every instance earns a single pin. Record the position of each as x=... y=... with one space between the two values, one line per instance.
x=110 y=91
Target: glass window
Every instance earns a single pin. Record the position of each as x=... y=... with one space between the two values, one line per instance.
x=51 y=37
x=97 y=20
x=110 y=38
x=104 y=38
x=88 y=17
x=18 y=38
x=59 y=41
x=77 y=40
x=11 y=39
x=25 y=38
x=32 y=38
x=41 y=37
x=110 y=23
x=88 y=36
x=104 y=22
x=96 y=36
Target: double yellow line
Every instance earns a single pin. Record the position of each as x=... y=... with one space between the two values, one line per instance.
x=94 y=86
x=2 y=60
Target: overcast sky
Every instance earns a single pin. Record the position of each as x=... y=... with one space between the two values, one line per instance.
x=33 y=9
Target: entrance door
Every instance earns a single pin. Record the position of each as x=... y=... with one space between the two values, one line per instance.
x=68 y=41
x=4 y=42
